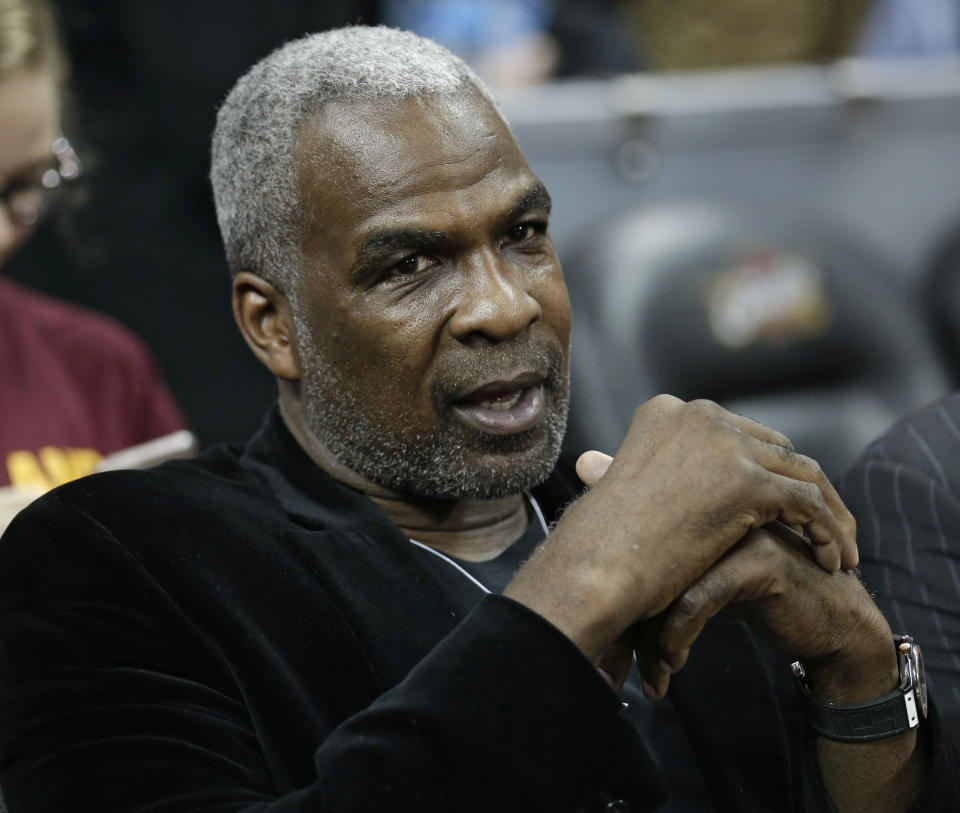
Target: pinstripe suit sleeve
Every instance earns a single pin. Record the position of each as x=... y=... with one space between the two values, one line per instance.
x=905 y=494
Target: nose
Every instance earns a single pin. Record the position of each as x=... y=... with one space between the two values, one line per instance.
x=495 y=302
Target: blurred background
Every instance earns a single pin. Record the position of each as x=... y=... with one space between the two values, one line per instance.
x=755 y=202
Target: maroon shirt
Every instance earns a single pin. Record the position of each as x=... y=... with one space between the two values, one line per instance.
x=74 y=385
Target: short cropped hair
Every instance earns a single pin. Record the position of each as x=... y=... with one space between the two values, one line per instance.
x=253 y=171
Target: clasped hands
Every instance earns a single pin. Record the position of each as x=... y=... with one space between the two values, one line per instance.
x=671 y=532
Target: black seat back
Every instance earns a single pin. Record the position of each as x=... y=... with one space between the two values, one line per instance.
x=790 y=324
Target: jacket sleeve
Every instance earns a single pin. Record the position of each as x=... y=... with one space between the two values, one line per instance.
x=908 y=530
x=112 y=699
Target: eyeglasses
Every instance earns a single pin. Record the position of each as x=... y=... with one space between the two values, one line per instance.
x=28 y=200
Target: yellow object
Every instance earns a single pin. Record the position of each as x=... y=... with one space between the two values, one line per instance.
x=51 y=466
x=697 y=34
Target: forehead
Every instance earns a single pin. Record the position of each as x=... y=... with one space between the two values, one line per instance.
x=29 y=118
x=360 y=164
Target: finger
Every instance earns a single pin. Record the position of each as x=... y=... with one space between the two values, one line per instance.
x=654 y=672
x=802 y=503
x=591 y=466
x=774 y=451
x=792 y=464
x=741 y=576
x=748 y=425
x=614 y=664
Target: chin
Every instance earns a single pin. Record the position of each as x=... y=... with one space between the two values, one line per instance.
x=499 y=466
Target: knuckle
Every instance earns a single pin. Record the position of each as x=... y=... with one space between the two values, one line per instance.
x=754 y=477
x=849 y=524
x=654 y=407
x=727 y=436
x=775 y=436
x=687 y=605
x=814 y=507
x=808 y=463
x=810 y=493
x=781 y=439
x=766 y=546
x=706 y=405
x=664 y=401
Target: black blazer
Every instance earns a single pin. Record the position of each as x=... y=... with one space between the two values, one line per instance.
x=905 y=493
x=243 y=633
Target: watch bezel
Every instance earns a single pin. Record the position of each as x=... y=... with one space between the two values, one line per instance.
x=913 y=675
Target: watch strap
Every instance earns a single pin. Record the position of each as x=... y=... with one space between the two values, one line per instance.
x=893 y=713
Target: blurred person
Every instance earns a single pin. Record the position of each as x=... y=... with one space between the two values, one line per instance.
x=905 y=492
x=523 y=42
x=910 y=28
x=76 y=385
x=397 y=597
x=507 y=41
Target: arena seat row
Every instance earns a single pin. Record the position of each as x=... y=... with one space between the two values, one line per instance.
x=798 y=326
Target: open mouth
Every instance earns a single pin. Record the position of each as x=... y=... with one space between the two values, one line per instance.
x=503 y=407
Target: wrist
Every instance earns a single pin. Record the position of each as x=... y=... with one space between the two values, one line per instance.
x=569 y=601
x=864 y=669
x=890 y=714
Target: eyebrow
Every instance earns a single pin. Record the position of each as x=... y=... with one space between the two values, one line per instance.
x=535 y=197
x=382 y=242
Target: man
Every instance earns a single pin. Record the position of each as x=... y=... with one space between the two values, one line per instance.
x=304 y=625
x=905 y=489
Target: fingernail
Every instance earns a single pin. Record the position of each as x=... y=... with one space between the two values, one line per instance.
x=648 y=691
x=665 y=668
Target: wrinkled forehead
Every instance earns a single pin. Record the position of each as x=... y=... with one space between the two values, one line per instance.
x=352 y=154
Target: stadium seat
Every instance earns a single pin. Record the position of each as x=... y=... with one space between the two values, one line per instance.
x=790 y=324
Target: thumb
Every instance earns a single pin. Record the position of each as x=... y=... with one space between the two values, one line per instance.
x=591 y=466
x=615 y=662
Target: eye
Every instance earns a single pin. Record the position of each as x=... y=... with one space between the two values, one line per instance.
x=414 y=264
x=524 y=232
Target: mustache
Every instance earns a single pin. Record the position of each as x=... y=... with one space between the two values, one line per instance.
x=478 y=365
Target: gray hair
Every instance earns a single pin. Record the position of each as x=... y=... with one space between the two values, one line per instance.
x=252 y=159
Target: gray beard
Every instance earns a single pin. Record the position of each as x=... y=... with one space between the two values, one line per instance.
x=437 y=464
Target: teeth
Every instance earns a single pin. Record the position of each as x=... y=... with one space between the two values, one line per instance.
x=501 y=404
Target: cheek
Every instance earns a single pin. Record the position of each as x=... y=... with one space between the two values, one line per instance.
x=555 y=304
x=385 y=355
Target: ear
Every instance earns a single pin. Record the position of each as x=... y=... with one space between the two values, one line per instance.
x=265 y=319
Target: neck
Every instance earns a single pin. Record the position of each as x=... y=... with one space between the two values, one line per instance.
x=474 y=530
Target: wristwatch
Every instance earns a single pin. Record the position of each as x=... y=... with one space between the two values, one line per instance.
x=893 y=713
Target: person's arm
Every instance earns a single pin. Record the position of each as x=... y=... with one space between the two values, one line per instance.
x=830 y=623
x=910 y=537
x=675 y=505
